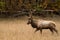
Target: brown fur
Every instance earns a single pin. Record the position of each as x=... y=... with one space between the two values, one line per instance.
x=39 y=26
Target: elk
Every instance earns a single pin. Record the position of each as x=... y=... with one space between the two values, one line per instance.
x=42 y=24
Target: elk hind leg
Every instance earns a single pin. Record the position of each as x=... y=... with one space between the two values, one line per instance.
x=55 y=30
x=51 y=30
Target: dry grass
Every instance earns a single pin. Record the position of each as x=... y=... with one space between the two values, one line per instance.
x=17 y=29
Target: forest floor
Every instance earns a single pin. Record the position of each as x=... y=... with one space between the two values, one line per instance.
x=17 y=29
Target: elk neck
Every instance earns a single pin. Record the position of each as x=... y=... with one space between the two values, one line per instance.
x=33 y=24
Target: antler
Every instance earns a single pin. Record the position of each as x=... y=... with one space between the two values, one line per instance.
x=30 y=14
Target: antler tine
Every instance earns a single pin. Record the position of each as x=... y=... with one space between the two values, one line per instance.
x=30 y=14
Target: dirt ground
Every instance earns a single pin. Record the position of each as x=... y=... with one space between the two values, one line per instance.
x=17 y=29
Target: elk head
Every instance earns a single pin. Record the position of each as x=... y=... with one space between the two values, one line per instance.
x=30 y=18
x=29 y=21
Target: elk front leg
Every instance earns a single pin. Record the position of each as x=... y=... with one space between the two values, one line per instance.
x=36 y=30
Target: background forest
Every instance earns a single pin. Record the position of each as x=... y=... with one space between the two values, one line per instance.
x=15 y=8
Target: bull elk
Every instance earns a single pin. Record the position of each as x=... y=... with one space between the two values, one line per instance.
x=42 y=24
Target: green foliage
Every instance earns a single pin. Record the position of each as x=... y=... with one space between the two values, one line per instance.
x=37 y=7
x=2 y=6
x=58 y=3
